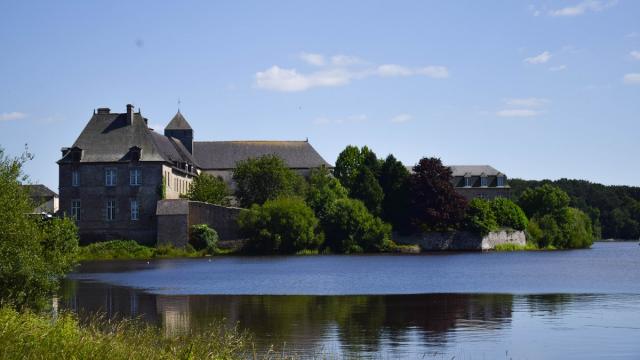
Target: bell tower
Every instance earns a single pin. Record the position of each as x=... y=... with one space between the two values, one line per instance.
x=180 y=129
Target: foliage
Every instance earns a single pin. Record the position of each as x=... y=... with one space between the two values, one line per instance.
x=508 y=214
x=202 y=237
x=28 y=335
x=115 y=250
x=614 y=210
x=284 y=225
x=162 y=188
x=394 y=180
x=350 y=228
x=515 y=247
x=170 y=251
x=480 y=217
x=367 y=189
x=554 y=223
x=209 y=189
x=265 y=178
x=348 y=166
x=435 y=204
x=34 y=254
x=323 y=191
x=545 y=199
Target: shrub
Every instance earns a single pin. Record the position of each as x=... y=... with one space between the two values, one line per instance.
x=351 y=228
x=576 y=229
x=209 y=189
x=480 y=218
x=202 y=237
x=284 y=225
x=115 y=249
x=545 y=199
x=509 y=214
x=323 y=192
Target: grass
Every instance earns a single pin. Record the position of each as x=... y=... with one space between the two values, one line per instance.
x=515 y=247
x=27 y=335
x=131 y=250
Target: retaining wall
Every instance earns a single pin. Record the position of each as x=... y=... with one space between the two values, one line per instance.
x=462 y=240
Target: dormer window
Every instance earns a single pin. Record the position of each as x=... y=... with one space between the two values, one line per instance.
x=501 y=180
x=467 y=181
x=75 y=154
x=484 y=181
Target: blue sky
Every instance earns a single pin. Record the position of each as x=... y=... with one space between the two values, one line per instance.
x=537 y=89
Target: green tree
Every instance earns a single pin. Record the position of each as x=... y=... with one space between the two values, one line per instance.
x=283 y=225
x=546 y=199
x=323 y=191
x=209 y=189
x=202 y=237
x=508 y=214
x=350 y=228
x=34 y=255
x=480 y=217
x=435 y=204
x=394 y=180
x=367 y=189
x=265 y=178
x=348 y=166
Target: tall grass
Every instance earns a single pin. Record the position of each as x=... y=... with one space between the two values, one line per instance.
x=27 y=335
x=516 y=247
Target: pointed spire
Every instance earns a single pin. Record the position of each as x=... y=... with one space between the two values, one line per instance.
x=178 y=123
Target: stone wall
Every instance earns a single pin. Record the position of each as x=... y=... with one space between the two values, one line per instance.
x=176 y=216
x=462 y=240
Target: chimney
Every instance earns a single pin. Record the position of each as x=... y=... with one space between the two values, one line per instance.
x=129 y=114
x=103 y=110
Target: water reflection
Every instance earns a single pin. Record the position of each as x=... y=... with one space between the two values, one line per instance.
x=355 y=323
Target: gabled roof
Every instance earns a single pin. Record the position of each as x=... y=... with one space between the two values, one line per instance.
x=108 y=137
x=178 y=123
x=219 y=155
x=474 y=170
x=39 y=191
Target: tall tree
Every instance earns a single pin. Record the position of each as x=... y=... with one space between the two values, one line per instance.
x=367 y=189
x=348 y=165
x=435 y=204
x=394 y=180
x=265 y=178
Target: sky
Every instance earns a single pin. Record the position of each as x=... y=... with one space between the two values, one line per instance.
x=540 y=89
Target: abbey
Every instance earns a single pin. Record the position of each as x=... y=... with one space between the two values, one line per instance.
x=116 y=171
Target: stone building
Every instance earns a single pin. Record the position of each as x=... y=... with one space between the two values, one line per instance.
x=479 y=181
x=45 y=200
x=112 y=177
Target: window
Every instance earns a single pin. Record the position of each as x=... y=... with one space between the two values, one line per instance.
x=111 y=210
x=483 y=181
x=135 y=177
x=501 y=181
x=135 y=211
x=110 y=177
x=75 y=178
x=75 y=209
x=467 y=181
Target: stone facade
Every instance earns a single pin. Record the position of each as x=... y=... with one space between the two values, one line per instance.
x=175 y=218
x=462 y=240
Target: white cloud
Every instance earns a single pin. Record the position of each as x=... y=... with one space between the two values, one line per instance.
x=583 y=7
x=313 y=59
x=337 y=72
x=289 y=80
x=633 y=35
x=401 y=118
x=539 y=59
x=558 y=68
x=635 y=54
x=16 y=115
x=531 y=102
x=517 y=113
x=632 y=78
x=358 y=118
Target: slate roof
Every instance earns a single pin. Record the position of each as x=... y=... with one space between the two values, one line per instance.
x=221 y=155
x=40 y=191
x=107 y=138
x=473 y=170
x=178 y=123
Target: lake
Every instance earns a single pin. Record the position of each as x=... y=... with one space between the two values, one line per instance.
x=575 y=304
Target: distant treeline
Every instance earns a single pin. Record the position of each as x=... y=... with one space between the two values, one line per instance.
x=615 y=210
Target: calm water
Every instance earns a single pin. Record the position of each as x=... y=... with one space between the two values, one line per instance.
x=529 y=305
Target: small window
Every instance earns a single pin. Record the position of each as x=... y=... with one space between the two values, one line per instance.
x=135 y=211
x=111 y=210
x=483 y=181
x=75 y=178
x=500 y=181
x=467 y=181
x=75 y=209
x=135 y=177
x=110 y=177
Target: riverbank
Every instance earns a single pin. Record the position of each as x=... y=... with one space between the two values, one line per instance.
x=27 y=335
x=131 y=250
